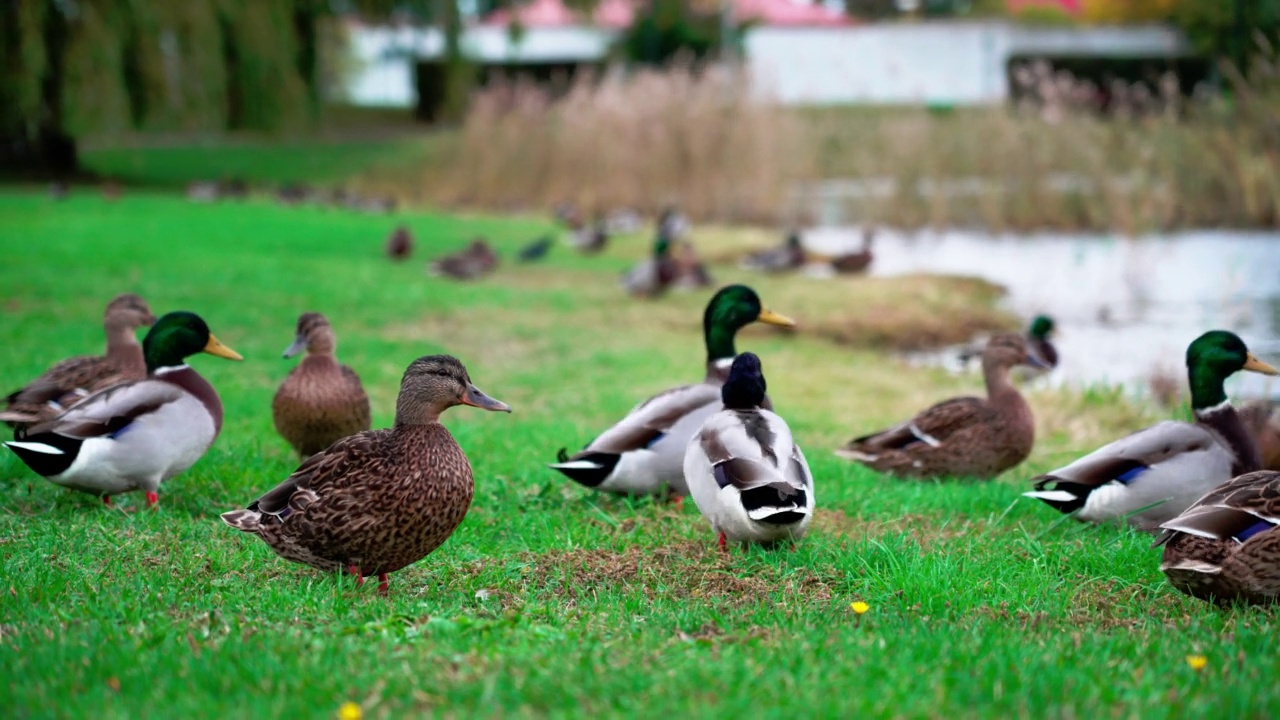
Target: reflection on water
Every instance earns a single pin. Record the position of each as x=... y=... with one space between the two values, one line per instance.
x=1124 y=307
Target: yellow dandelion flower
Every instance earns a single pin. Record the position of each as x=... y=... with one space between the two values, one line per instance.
x=350 y=711
x=1197 y=662
x=859 y=607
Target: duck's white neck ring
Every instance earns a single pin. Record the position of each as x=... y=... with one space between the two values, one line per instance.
x=171 y=369
x=1225 y=404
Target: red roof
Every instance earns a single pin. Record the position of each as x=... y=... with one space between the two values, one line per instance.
x=620 y=13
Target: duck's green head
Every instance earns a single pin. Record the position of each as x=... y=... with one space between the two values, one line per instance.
x=1041 y=327
x=179 y=335
x=1211 y=359
x=662 y=246
x=729 y=310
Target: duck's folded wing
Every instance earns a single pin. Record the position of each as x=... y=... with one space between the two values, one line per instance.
x=1127 y=458
x=317 y=473
x=932 y=427
x=110 y=410
x=749 y=451
x=653 y=418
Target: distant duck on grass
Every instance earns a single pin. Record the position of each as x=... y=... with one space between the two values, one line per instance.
x=857 y=262
x=744 y=470
x=400 y=243
x=1154 y=474
x=653 y=275
x=965 y=437
x=321 y=400
x=71 y=380
x=476 y=260
x=380 y=500
x=1040 y=334
x=135 y=435
x=778 y=259
x=643 y=453
x=537 y=249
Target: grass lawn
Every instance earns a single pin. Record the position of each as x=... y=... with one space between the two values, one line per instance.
x=550 y=600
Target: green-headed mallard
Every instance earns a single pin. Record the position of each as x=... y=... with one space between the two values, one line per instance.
x=375 y=502
x=744 y=470
x=1154 y=474
x=653 y=275
x=135 y=435
x=963 y=437
x=1040 y=338
x=321 y=400
x=643 y=453
x=1226 y=547
x=70 y=381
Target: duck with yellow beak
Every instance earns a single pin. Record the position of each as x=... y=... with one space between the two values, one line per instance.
x=135 y=435
x=643 y=453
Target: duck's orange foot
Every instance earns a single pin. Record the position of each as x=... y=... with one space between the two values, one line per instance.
x=384 y=585
x=723 y=540
x=152 y=498
x=106 y=500
x=353 y=570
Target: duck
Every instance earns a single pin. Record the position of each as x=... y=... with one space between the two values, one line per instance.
x=654 y=275
x=744 y=470
x=1039 y=335
x=476 y=260
x=672 y=223
x=691 y=272
x=378 y=501
x=967 y=437
x=779 y=259
x=1152 y=475
x=857 y=262
x=71 y=380
x=643 y=453
x=400 y=243
x=321 y=400
x=137 y=434
x=536 y=250
x=1263 y=423
x=1225 y=547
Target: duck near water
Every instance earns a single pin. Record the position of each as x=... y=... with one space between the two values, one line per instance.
x=380 y=500
x=135 y=435
x=643 y=453
x=745 y=472
x=963 y=437
x=1151 y=476
x=321 y=400
x=778 y=259
x=71 y=380
x=857 y=262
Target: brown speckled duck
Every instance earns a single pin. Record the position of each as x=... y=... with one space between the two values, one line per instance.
x=1263 y=422
x=963 y=437
x=321 y=400
x=1225 y=548
x=380 y=500
x=71 y=380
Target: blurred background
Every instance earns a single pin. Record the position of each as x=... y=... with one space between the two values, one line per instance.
x=1113 y=163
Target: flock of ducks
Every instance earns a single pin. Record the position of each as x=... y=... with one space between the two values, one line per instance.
x=370 y=502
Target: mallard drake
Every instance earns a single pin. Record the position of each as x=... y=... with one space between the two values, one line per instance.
x=1225 y=548
x=476 y=260
x=378 y=501
x=654 y=275
x=779 y=259
x=962 y=437
x=643 y=453
x=71 y=380
x=1154 y=474
x=672 y=224
x=1260 y=417
x=691 y=272
x=859 y=261
x=1039 y=340
x=400 y=243
x=135 y=435
x=536 y=250
x=320 y=400
x=745 y=472
x=589 y=239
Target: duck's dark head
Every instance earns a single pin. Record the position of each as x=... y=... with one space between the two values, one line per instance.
x=314 y=334
x=1042 y=328
x=435 y=383
x=179 y=335
x=128 y=312
x=1211 y=359
x=728 y=311
x=745 y=388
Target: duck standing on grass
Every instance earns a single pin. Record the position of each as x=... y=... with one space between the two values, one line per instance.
x=652 y=276
x=400 y=243
x=965 y=437
x=378 y=501
x=135 y=435
x=70 y=381
x=778 y=259
x=321 y=400
x=744 y=470
x=1151 y=476
x=1225 y=548
x=643 y=453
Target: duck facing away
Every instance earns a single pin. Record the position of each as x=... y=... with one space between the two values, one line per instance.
x=135 y=435
x=70 y=381
x=778 y=259
x=962 y=437
x=651 y=277
x=321 y=400
x=1151 y=476
x=643 y=453
x=378 y=501
x=1225 y=548
x=745 y=472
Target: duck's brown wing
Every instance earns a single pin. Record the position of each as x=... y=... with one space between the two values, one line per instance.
x=330 y=470
x=932 y=427
x=65 y=383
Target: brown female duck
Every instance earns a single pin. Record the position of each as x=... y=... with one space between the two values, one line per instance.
x=71 y=380
x=321 y=400
x=962 y=437
x=380 y=500
x=1226 y=547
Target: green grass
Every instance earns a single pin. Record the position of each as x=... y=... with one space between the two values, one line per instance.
x=550 y=600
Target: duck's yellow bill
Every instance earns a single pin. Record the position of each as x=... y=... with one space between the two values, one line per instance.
x=1256 y=365
x=213 y=347
x=768 y=316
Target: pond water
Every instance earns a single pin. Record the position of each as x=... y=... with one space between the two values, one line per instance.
x=1124 y=307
